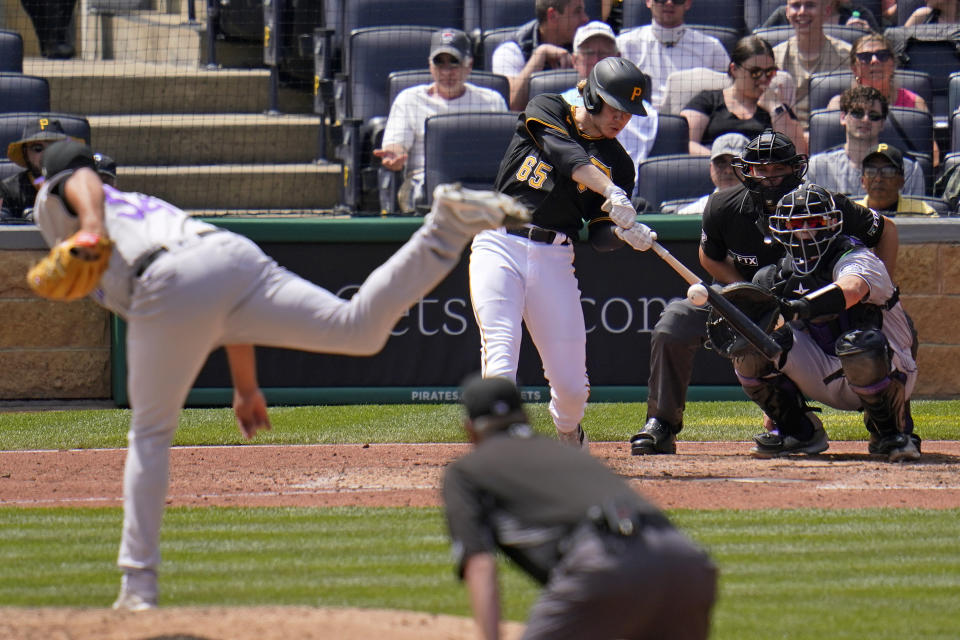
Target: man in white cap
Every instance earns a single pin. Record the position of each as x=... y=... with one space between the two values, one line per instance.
x=724 y=149
x=402 y=147
x=592 y=43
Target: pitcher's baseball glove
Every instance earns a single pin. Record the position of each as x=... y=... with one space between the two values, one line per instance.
x=73 y=267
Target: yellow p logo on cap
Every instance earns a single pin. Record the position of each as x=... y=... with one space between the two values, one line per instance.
x=637 y=93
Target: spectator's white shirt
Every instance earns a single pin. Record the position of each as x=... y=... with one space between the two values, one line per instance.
x=833 y=170
x=637 y=137
x=697 y=206
x=508 y=59
x=644 y=47
x=412 y=106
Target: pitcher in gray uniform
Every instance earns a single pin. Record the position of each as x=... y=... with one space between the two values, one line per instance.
x=612 y=565
x=186 y=287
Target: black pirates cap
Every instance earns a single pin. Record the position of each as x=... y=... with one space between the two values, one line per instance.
x=490 y=397
x=65 y=155
x=889 y=153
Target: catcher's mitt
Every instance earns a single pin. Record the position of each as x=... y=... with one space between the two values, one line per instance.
x=73 y=267
x=757 y=303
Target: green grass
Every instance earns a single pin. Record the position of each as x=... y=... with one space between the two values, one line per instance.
x=935 y=420
x=877 y=573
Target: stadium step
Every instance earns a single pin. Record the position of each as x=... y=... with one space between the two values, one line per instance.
x=294 y=187
x=162 y=139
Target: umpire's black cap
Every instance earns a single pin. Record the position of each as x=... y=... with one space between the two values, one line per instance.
x=490 y=397
x=65 y=155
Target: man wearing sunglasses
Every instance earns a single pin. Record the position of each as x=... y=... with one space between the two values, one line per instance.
x=18 y=191
x=863 y=114
x=883 y=179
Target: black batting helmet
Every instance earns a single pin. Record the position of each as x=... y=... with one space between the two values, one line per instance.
x=806 y=223
x=771 y=147
x=619 y=83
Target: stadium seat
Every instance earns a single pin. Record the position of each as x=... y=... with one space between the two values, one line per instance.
x=489 y=43
x=776 y=35
x=823 y=86
x=11 y=51
x=362 y=101
x=716 y=13
x=400 y=80
x=673 y=177
x=673 y=137
x=485 y=134
x=23 y=93
x=933 y=49
x=955 y=128
x=8 y=169
x=12 y=124
x=554 y=81
x=954 y=93
x=683 y=85
x=727 y=36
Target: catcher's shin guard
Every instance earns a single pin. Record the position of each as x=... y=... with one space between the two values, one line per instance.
x=780 y=399
x=866 y=361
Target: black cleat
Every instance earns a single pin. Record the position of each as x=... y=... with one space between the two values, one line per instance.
x=656 y=436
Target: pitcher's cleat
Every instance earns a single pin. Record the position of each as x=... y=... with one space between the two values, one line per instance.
x=576 y=438
x=474 y=210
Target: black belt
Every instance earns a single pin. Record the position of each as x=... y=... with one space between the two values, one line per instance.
x=538 y=235
x=145 y=261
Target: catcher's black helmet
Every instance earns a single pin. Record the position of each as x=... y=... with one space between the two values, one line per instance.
x=806 y=222
x=619 y=83
x=771 y=147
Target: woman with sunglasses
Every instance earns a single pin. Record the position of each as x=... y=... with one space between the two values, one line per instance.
x=743 y=106
x=874 y=64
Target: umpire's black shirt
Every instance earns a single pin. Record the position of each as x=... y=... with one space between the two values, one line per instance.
x=731 y=229
x=524 y=495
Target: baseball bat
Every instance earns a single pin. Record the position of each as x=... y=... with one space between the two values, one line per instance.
x=737 y=319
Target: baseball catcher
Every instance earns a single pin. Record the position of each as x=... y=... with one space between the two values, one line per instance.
x=847 y=341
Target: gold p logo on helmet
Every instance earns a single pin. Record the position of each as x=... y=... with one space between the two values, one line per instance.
x=637 y=93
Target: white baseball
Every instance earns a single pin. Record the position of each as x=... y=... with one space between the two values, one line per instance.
x=697 y=294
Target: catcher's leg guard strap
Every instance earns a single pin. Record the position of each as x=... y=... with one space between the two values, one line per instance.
x=780 y=399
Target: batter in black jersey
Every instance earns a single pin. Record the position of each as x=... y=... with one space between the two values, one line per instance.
x=565 y=164
x=547 y=148
x=734 y=245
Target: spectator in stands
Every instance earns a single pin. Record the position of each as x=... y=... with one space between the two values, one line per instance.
x=18 y=192
x=883 y=179
x=592 y=43
x=724 y=149
x=809 y=50
x=863 y=113
x=667 y=45
x=402 y=146
x=51 y=21
x=542 y=43
x=739 y=107
x=106 y=168
x=874 y=63
x=844 y=12
x=936 y=12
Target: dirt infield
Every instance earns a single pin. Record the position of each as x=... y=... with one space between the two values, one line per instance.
x=709 y=475
x=700 y=476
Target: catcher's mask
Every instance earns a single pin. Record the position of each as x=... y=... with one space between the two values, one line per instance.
x=806 y=222
x=770 y=147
